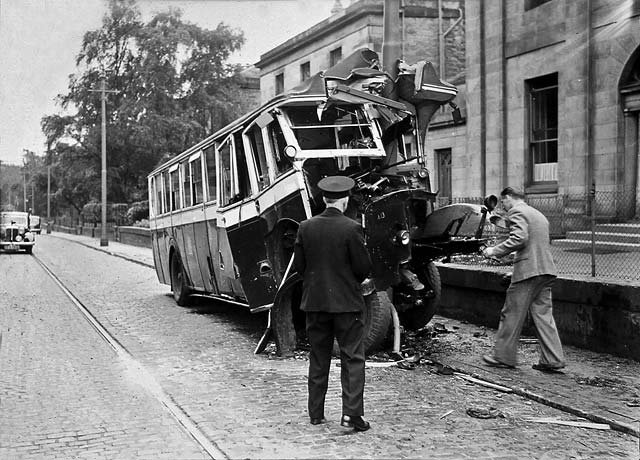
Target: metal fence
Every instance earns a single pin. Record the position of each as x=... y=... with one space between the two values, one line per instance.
x=592 y=235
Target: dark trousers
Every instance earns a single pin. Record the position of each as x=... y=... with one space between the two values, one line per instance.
x=348 y=329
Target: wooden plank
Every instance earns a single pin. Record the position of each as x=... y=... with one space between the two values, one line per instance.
x=579 y=424
x=483 y=383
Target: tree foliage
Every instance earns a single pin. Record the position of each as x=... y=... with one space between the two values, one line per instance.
x=174 y=87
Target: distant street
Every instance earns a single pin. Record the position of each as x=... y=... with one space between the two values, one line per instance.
x=183 y=383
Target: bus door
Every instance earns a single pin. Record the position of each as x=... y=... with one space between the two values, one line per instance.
x=244 y=229
x=284 y=203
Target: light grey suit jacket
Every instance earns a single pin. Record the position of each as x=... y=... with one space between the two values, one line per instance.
x=529 y=238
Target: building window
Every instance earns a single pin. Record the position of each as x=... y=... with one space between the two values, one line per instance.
x=280 y=83
x=543 y=129
x=531 y=4
x=335 y=56
x=305 y=71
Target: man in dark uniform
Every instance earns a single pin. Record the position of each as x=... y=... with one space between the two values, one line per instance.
x=331 y=257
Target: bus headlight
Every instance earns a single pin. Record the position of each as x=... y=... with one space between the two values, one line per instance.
x=18 y=238
x=290 y=151
x=402 y=238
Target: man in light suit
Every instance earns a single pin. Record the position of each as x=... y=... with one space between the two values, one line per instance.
x=530 y=290
x=333 y=260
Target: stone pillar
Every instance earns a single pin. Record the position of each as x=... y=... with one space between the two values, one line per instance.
x=631 y=195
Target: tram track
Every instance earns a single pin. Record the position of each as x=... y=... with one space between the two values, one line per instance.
x=136 y=369
x=627 y=426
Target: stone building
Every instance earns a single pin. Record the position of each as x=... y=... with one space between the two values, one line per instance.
x=426 y=35
x=553 y=98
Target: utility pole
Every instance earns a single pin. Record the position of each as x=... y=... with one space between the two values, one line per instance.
x=48 y=194
x=24 y=186
x=104 y=241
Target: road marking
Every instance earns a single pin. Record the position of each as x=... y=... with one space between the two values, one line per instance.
x=144 y=377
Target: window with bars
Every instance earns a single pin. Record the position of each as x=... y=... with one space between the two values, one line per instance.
x=543 y=129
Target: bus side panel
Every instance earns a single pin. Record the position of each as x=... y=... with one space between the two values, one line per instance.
x=229 y=282
x=203 y=255
x=157 y=263
x=190 y=255
x=160 y=246
x=212 y=234
x=250 y=255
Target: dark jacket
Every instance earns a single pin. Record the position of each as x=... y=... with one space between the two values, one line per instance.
x=331 y=257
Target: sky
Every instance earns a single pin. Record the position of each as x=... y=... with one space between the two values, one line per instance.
x=40 y=39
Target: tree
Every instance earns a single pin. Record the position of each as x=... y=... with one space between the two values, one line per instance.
x=174 y=88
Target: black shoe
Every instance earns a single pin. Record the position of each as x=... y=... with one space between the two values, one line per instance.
x=356 y=422
x=548 y=368
x=317 y=420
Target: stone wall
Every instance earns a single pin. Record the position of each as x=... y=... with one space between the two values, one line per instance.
x=604 y=317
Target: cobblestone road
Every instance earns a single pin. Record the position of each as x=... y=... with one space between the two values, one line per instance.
x=254 y=406
x=63 y=391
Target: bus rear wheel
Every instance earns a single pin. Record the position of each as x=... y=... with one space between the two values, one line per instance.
x=179 y=285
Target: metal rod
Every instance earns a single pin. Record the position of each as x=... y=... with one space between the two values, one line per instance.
x=592 y=199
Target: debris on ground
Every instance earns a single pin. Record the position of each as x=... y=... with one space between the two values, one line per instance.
x=481 y=412
x=443 y=369
x=634 y=403
x=527 y=340
x=599 y=381
x=579 y=424
x=483 y=383
x=449 y=412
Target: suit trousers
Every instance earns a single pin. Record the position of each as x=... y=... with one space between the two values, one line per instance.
x=348 y=329
x=529 y=295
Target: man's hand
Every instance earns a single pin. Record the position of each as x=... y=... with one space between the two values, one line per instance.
x=487 y=252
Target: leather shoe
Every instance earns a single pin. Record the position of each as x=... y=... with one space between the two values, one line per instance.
x=317 y=420
x=548 y=368
x=356 y=422
x=491 y=361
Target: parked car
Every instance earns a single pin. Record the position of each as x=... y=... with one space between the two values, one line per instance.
x=15 y=233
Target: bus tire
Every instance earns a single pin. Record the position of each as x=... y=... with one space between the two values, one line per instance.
x=418 y=316
x=377 y=320
x=29 y=249
x=179 y=285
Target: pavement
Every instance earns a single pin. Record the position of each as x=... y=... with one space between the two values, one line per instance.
x=597 y=387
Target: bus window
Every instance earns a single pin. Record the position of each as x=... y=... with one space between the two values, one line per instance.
x=278 y=143
x=186 y=187
x=254 y=135
x=244 y=184
x=226 y=183
x=195 y=178
x=166 y=188
x=210 y=159
x=157 y=185
x=176 y=202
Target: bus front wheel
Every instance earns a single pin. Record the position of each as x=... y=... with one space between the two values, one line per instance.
x=179 y=286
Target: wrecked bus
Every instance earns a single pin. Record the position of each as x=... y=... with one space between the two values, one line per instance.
x=224 y=213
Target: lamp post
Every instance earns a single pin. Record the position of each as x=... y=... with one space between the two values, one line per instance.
x=104 y=241
x=24 y=186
